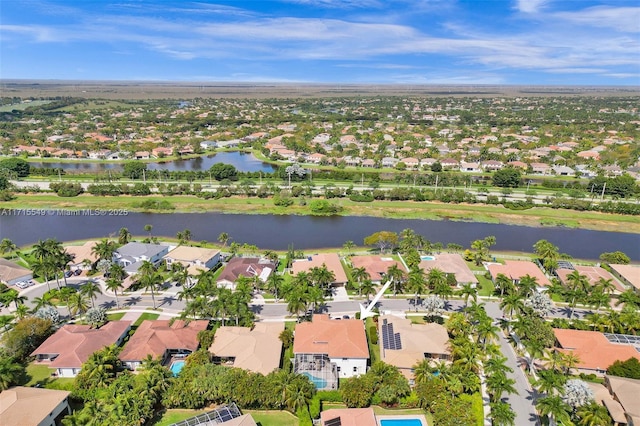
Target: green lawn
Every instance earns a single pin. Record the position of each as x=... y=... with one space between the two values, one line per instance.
x=116 y=316
x=273 y=418
x=41 y=374
x=374 y=350
x=145 y=316
x=175 y=415
x=486 y=286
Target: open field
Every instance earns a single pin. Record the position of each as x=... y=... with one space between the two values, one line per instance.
x=535 y=217
x=132 y=90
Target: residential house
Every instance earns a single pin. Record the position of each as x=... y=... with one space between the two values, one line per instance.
x=624 y=392
x=450 y=263
x=516 y=269
x=563 y=171
x=83 y=256
x=518 y=165
x=256 y=349
x=389 y=162
x=368 y=163
x=403 y=344
x=593 y=274
x=348 y=417
x=411 y=163
x=628 y=274
x=330 y=260
x=141 y=155
x=225 y=415
x=450 y=164
x=246 y=267
x=595 y=352
x=540 y=169
x=22 y=406
x=194 y=259
x=315 y=158
x=325 y=349
x=469 y=167
x=131 y=255
x=11 y=273
x=491 y=165
x=208 y=144
x=101 y=154
x=376 y=266
x=162 y=339
x=70 y=347
x=161 y=151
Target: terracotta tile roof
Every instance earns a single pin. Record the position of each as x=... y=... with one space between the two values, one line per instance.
x=516 y=269
x=593 y=274
x=331 y=260
x=256 y=349
x=75 y=343
x=593 y=349
x=154 y=337
x=451 y=263
x=28 y=406
x=350 y=416
x=376 y=266
x=338 y=339
x=629 y=272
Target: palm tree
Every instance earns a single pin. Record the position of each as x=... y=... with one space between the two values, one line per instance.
x=104 y=249
x=594 y=414
x=64 y=293
x=486 y=331
x=223 y=238
x=91 y=289
x=348 y=246
x=416 y=284
x=512 y=303
x=527 y=285
x=10 y=372
x=629 y=297
x=502 y=414
x=554 y=408
x=497 y=384
x=550 y=382
x=423 y=371
x=468 y=290
x=322 y=277
x=77 y=303
x=299 y=394
x=114 y=284
x=149 y=279
x=274 y=283
x=396 y=276
x=367 y=288
x=22 y=311
x=148 y=229
x=578 y=285
x=504 y=284
x=41 y=302
x=124 y=236
x=12 y=296
x=547 y=253
x=7 y=246
x=436 y=278
x=359 y=275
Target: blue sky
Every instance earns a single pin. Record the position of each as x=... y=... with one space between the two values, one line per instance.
x=547 y=42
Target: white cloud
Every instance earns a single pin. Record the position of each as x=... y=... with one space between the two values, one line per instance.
x=625 y=19
x=530 y=6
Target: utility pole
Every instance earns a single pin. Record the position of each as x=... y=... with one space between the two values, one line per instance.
x=603 y=188
x=436 y=190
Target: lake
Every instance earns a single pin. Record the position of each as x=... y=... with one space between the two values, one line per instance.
x=244 y=162
x=309 y=232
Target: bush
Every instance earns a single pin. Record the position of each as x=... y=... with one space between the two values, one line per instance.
x=330 y=396
x=66 y=189
x=373 y=335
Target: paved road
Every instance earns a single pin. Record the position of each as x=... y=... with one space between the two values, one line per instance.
x=522 y=403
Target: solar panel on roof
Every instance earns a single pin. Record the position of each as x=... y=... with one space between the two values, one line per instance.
x=333 y=422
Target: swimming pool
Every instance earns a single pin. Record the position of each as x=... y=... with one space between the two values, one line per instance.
x=176 y=367
x=400 y=422
x=317 y=381
x=427 y=257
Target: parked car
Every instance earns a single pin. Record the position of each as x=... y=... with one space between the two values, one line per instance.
x=68 y=273
x=77 y=272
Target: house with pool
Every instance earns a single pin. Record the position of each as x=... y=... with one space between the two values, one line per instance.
x=330 y=260
x=170 y=341
x=326 y=349
x=131 y=255
x=367 y=417
x=449 y=263
x=70 y=347
x=518 y=269
x=376 y=266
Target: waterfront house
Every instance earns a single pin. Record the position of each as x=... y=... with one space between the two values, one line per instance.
x=70 y=347
x=83 y=255
x=449 y=263
x=163 y=340
x=376 y=266
x=193 y=258
x=131 y=255
x=330 y=260
x=517 y=269
x=593 y=274
x=245 y=267
x=11 y=273
x=628 y=274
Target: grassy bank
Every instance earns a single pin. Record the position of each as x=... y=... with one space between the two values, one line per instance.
x=536 y=217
